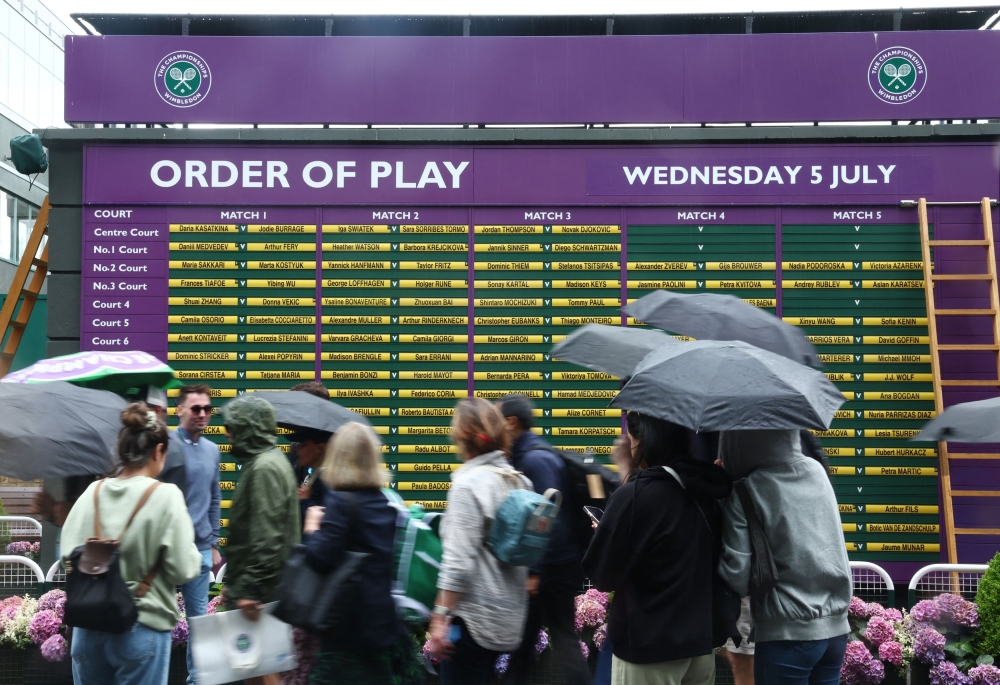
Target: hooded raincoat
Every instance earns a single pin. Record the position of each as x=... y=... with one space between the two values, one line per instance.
x=264 y=519
x=798 y=511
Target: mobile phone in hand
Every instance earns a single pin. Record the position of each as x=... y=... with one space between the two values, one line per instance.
x=594 y=513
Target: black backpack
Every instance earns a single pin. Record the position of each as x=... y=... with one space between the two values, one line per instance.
x=589 y=484
x=97 y=597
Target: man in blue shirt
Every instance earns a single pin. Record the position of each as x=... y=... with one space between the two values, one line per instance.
x=199 y=460
x=554 y=585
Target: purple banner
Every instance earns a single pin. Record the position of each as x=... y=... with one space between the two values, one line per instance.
x=322 y=175
x=533 y=80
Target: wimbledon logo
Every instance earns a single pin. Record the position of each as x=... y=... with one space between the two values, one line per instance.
x=182 y=79
x=897 y=75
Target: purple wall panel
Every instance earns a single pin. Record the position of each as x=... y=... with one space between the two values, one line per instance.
x=529 y=80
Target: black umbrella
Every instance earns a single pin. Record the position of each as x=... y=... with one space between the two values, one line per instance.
x=711 y=385
x=966 y=422
x=53 y=430
x=611 y=349
x=297 y=409
x=709 y=316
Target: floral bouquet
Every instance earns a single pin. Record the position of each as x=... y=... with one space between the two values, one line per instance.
x=592 y=620
x=24 y=549
x=877 y=638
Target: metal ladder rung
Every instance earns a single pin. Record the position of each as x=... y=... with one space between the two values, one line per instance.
x=961 y=277
x=958 y=243
x=965 y=312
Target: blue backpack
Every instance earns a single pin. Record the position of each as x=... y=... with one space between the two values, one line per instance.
x=520 y=531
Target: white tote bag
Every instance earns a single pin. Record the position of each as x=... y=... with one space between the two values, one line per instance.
x=226 y=647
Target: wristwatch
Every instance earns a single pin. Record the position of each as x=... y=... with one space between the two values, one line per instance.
x=442 y=611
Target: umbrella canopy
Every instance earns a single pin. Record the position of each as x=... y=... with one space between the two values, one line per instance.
x=57 y=429
x=114 y=371
x=708 y=316
x=967 y=422
x=296 y=409
x=611 y=349
x=711 y=385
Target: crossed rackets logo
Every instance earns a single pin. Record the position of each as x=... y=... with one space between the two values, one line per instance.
x=182 y=79
x=897 y=75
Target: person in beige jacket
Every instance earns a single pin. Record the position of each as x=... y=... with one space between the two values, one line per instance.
x=161 y=531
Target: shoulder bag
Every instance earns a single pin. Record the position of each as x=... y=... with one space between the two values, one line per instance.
x=763 y=572
x=322 y=602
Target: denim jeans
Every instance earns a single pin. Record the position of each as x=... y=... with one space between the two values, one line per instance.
x=469 y=664
x=140 y=656
x=798 y=662
x=195 y=593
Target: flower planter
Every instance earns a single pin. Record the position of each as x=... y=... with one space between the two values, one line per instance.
x=38 y=671
x=178 y=666
x=11 y=666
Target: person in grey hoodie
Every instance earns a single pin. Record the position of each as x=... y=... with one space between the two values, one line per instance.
x=482 y=603
x=799 y=625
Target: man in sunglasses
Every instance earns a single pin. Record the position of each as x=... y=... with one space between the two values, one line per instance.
x=197 y=474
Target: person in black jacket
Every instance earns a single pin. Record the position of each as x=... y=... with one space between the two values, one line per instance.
x=655 y=548
x=357 y=517
x=555 y=583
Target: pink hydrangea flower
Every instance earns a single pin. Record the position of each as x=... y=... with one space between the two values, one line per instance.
x=429 y=655
x=44 y=625
x=590 y=613
x=928 y=645
x=893 y=615
x=55 y=648
x=584 y=649
x=926 y=611
x=892 y=652
x=879 y=630
x=858 y=608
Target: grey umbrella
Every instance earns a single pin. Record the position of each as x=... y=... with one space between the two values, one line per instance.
x=709 y=316
x=967 y=422
x=57 y=429
x=294 y=408
x=611 y=349
x=711 y=385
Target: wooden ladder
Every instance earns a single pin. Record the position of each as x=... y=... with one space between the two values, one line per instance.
x=930 y=278
x=14 y=319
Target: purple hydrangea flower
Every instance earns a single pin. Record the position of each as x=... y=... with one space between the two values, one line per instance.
x=926 y=611
x=502 y=664
x=893 y=615
x=947 y=673
x=879 y=630
x=858 y=608
x=928 y=645
x=179 y=635
x=966 y=614
x=584 y=649
x=874 y=609
x=874 y=672
x=53 y=600
x=601 y=636
x=892 y=652
x=859 y=668
x=429 y=655
x=55 y=648
x=44 y=625
x=985 y=674
x=542 y=641
x=597 y=596
x=180 y=602
x=19 y=547
x=36 y=547
x=856 y=654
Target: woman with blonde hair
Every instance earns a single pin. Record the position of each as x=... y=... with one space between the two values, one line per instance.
x=357 y=517
x=482 y=603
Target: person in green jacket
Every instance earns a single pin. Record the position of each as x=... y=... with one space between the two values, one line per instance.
x=264 y=518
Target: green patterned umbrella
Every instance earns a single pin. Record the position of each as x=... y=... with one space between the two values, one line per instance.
x=115 y=371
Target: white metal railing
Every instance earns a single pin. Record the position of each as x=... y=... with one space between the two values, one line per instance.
x=21 y=526
x=872 y=583
x=18 y=573
x=222 y=574
x=937 y=579
x=56 y=574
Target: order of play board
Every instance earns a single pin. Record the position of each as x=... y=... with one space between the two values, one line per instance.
x=402 y=317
